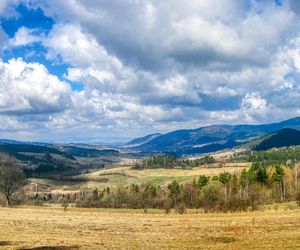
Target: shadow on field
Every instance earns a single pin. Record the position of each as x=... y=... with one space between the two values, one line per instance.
x=222 y=239
x=51 y=248
x=4 y=243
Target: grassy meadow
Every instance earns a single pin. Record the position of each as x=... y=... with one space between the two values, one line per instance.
x=126 y=175
x=52 y=228
x=120 y=176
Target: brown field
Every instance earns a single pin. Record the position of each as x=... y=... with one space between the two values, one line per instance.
x=52 y=228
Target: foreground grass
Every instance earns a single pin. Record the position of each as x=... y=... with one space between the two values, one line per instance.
x=51 y=228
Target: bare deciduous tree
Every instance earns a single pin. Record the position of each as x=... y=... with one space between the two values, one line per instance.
x=11 y=177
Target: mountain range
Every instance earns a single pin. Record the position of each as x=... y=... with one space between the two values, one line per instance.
x=209 y=139
x=180 y=142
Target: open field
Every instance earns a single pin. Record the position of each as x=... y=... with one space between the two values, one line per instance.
x=121 y=176
x=41 y=227
x=126 y=176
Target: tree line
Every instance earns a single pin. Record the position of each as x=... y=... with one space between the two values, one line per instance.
x=248 y=190
x=167 y=161
x=287 y=156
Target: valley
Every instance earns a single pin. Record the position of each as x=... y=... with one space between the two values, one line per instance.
x=91 y=197
x=145 y=124
x=125 y=176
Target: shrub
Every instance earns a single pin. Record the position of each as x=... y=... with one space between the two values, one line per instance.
x=256 y=196
x=167 y=205
x=211 y=196
x=298 y=198
x=181 y=208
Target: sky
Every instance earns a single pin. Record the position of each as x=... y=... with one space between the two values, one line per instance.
x=108 y=71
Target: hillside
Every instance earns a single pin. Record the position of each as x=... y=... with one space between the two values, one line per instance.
x=282 y=138
x=88 y=152
x=52 y=160
x=211 y=138
x=142 y=140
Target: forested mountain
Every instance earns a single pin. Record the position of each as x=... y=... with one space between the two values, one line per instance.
x=51 y=160
x=181 y=142
x=211 y=138
x=282 y=138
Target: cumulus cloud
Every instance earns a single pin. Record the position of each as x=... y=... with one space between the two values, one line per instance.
x=28 y=88
x=159 y=35
x=254 y=106
x=161 y=65
x=24 y=36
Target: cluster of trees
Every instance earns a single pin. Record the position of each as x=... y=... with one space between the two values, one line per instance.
x=161 y=161
x=226 y=192
x=197 y=162
x=166 y=161
x=287 y=156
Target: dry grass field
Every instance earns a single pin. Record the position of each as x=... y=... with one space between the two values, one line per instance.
x=52 y=228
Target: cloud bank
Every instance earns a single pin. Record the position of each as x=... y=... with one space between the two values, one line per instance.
x=150 y=66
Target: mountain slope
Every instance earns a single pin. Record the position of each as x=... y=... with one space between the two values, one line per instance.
x=142 y=140
x=48 y=161
x=211 y=138
x=282 y=138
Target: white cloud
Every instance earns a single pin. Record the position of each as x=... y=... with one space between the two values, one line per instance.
x=90 y=62
x=253 y=106
x=153 y=34
x=24 y=36
x=161 y=65
x=28 y=88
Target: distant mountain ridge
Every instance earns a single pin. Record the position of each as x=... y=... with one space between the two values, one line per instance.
x=9 y=141
x=180 y=142
x=211 y=138
x=283 y=138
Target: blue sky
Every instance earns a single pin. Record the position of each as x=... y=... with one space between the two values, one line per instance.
x=88 y=71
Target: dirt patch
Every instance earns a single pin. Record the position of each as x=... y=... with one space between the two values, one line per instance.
x=51 y=248
x=223 y=239
x=5 y=243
